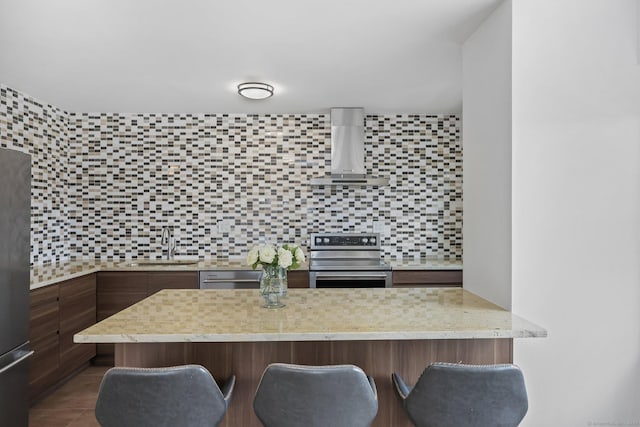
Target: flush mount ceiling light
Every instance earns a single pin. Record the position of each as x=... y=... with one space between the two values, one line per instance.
x=255 y=90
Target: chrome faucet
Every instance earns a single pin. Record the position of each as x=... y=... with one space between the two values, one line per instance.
x=169 y=240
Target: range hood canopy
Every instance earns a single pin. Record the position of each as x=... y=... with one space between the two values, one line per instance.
x=347 y=151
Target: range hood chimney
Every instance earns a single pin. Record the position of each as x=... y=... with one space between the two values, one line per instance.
x=347 y=151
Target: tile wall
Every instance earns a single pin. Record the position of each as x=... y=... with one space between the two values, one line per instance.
x=41 y=130
x=226 y=182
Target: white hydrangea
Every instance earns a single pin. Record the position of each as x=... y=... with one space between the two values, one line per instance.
x=252 y=256
x=299 y=255
x=285 y=258
x=267 y=253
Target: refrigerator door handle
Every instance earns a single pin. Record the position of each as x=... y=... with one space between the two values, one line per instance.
x=15 y=362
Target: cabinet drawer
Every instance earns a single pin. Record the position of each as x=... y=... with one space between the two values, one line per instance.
x=298 y=279
x=171 y=280
x=45 y=356
x=76 y=288
x=43 y=318
x=43 y=369
x=116 y=282
x=74 y=325
x=75 y=356
x=77 y=312
x=117 y=291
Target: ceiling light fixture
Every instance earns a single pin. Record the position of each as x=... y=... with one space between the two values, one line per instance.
x=255 y=90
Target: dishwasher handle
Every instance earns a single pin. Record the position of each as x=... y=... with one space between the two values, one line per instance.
x=231 y=281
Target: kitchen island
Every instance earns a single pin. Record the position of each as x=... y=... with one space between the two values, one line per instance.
x=381 y=330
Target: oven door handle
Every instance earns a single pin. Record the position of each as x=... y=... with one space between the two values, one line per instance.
x=353 y=276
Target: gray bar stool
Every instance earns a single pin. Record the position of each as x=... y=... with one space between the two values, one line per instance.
x=315 y=396
x=457 y=395
x=176 y=396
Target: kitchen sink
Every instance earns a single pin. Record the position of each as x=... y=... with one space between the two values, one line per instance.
x=161 y=262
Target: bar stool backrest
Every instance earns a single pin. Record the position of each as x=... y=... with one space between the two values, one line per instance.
x=177 y=396
x=456 y=395
x=315 y=396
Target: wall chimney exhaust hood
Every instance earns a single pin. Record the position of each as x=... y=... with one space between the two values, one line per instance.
x=347 y=151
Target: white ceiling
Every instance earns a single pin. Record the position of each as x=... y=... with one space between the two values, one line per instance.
x=188 y=55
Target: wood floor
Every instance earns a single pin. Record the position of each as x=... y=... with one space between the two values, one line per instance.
x=72 y=405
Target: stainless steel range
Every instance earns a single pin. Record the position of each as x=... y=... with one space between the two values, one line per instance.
x=347 y=260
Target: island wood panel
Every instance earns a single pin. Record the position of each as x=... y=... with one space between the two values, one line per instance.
x=432 y=278
x=378 y=359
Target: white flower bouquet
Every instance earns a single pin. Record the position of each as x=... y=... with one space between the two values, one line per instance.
x=287 y=256
x=275 y=262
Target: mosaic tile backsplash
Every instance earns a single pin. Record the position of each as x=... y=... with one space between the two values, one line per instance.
x=226 y=182
x=41 y=130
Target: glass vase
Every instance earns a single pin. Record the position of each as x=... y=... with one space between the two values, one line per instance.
x=273 y=286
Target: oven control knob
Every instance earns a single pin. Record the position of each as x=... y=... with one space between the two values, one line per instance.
x=318 y=240
x=365 y=240
x=326 y=240
x=373 y=240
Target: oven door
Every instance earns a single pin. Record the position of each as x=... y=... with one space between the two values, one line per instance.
x=350 y=279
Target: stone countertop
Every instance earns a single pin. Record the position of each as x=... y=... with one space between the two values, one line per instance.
x=44 y=275
x=424 y=264
x=310 y=315
x=52 y=273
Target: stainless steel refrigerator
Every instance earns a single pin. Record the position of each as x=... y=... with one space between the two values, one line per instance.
x=15 y=221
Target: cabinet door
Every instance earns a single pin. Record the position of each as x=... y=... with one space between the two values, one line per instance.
x=43 y=337
x=119 y=290
x=159 y=280
x=115 y=292
x=298 y=279
x=77 y=312
x=431 y=278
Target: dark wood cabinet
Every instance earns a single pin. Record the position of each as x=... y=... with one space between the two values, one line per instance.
x=432 y=278
x=57 y=312
x=159 y=280
x=43 y=337
x=118 y=290
x=77 y=312
x=298 y=279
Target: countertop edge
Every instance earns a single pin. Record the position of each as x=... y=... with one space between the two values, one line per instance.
x=381 y=336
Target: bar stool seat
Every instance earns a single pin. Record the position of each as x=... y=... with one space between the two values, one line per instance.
x=457 y=395
x=176 y=396
x=315 y=396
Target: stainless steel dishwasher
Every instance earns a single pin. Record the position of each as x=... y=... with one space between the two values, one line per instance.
x=230 y=279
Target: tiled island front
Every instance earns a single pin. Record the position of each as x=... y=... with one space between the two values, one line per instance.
x=381 y=330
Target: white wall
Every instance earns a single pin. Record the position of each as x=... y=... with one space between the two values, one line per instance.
x=574 y=161
x=576 y=208
x=486 y=111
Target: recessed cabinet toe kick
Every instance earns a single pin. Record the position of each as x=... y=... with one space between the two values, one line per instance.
x=230 y=279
